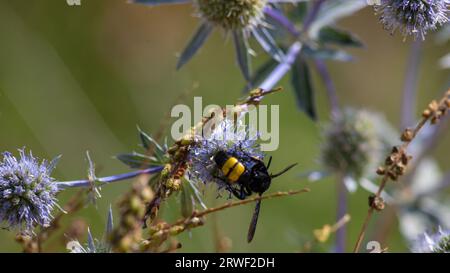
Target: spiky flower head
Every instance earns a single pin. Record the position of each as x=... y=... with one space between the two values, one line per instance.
x=95 y=245
x=438 y=242
x=234 y=138
x=232 y=14
x=354 y=142
x=27 y=191
x=413 y=17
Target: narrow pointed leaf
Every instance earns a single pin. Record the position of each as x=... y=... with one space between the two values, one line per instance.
x=194 y=45
x=148 y=141
x=187 y=206
x=330 y=35
x=260 y=74
x=195 y=193
x=242 y=56
x=332 y=11
x=110 y=222
x=268 y=43
x=327 y=54
x=137 y=161
x=301 y=81
x=150 y=144
x=53 y=163
x=91 y=242
x=91 y=170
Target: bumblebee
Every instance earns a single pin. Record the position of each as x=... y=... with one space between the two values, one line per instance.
x=245 y=175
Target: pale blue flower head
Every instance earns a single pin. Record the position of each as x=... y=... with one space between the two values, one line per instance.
x=354 y=142
x=438 y=242
x=27 y=191
x=413 y=17
x=232 y=14
x=233 y=138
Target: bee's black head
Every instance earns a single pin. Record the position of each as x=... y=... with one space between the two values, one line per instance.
x=261 y=179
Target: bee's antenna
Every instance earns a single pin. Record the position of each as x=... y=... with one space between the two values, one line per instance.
x=283 y=171
x=270 y=161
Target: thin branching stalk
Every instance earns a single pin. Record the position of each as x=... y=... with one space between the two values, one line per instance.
x=342 y=208
x=247 y=201
x=386 y=222
x=397 y=161
x=162 y=231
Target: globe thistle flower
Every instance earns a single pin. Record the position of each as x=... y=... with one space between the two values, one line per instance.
x=354 y=142
x=413 y=17
x=240 y=18
x=27 y=191
x=240 y=141
x=232 y=14
x=433 y=243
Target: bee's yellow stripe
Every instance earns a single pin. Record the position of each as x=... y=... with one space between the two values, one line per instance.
x=233 y=169
x=237 y=171
x=229 y=164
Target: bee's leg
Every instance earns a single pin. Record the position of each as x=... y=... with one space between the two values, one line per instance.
x=240 y=194
x=247 y=191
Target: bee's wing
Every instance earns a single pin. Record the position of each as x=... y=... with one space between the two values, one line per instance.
x=252 y=228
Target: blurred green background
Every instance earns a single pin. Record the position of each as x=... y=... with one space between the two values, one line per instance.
x=74 y=79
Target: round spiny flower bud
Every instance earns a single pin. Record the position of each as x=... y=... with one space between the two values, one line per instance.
x=433 y=243
x=354 y=142
x=27 y=192
x=232 y=14
x=413 y=17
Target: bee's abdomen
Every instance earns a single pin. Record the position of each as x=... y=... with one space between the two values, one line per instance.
x=230 y=166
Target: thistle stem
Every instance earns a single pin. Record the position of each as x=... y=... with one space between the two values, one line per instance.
x=329 y=85
x=341 y=233
x=108 y=179
x=282 y=68
x=410 y=86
